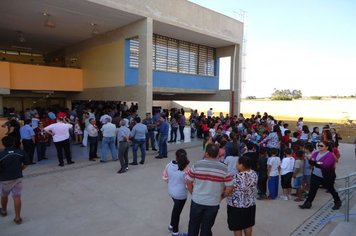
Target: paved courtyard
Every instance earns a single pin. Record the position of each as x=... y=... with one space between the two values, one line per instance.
x=89 y=198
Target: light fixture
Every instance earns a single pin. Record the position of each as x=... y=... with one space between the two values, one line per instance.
x=48 y=22
x=95 y=30
x=21 y=37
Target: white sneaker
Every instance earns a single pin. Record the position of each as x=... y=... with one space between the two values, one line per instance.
x=285 y=198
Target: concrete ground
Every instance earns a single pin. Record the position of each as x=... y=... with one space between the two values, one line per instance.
x=90 y=198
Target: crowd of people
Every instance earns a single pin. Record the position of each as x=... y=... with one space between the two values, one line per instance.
x=244 y=158
x=247 y=159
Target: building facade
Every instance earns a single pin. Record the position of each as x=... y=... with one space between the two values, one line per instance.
x=117 y=50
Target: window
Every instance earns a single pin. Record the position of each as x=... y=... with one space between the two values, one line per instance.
x=134 y=51
x=178 y=56
x=161 y=53
x=172 y=55
x=183 y=57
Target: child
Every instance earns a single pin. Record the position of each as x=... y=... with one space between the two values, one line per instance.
x=285 y=142
x=307 y=169
x=78 y=133
x=273 y=165
x=298 y=174
x=286 y=174
x=262 y=174
x=232 y=159
x=174 y=174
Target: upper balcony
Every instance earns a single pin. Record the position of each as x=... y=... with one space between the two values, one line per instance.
x=15 y=76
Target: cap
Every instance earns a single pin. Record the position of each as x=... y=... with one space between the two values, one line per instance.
x=61 y=115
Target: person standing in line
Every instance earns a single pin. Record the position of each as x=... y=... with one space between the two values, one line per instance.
x=78 y=133
x=241 y=205
x=273 y=166
x=123 y=138
x=163 y=137
x=148 y=121
x=324 y=174
x=14 y=130
x=138 y=134
x=28 y=140
x=181 y=126
x=35 y=120
x=174 y=127
x=209 y=182
x=287 y=170
x=262 y=174
x=92 y=130
x=174 y=174
x=12 y=162
x=41 y=140
x=210 y=113
x=109 y=136
x=60 y=134
x=86 y=123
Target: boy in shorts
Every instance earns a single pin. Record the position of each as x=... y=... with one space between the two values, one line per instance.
x=298 y=174
x=12 y=162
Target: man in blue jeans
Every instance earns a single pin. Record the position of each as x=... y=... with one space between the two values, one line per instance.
x=138 y=135
x=109 y=135
x=208 y=181
x=163 y=137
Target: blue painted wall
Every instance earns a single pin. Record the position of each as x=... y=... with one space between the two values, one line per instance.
x=165 y=79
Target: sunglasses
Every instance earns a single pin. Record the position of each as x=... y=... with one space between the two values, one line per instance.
x=321 y=145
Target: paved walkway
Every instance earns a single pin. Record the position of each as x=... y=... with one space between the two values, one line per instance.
x=89 y=198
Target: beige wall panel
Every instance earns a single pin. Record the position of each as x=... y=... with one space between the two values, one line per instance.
x=103 y=65
x=4 y=75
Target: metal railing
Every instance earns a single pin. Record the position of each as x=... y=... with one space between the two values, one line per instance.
x=347 y=191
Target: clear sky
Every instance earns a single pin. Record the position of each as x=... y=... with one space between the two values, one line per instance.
x=306 y=44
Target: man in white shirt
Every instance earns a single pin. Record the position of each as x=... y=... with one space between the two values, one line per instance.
x=109 y=135
x=92 y=130
x=210 y=112
x=60 y=134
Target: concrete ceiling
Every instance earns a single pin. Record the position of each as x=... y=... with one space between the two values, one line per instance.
x=72 y=19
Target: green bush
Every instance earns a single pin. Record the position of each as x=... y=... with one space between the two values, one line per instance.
x=315 y=97
x=282 y=98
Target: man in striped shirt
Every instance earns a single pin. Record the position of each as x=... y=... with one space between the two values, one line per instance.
x=209 y=182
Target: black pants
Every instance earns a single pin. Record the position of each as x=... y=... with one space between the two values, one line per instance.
x=328 y=183
x=123 y=154
x=181 y=131
x=60 y=146
x=150 y=136
x=201 y=218
x=175 y=216
x=41 y=150
x=93 y=147
x=262 y=185
x=173 y=134
x=29 y=148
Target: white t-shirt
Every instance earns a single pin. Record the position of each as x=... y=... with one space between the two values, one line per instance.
x=231 y=162
x=60 y=131
x=287 y=165
x=274 y=162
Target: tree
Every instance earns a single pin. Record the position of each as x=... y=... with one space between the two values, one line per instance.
x=286 y=94
x=296 y=94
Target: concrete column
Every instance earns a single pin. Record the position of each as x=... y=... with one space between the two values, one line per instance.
x=145 y=67
x=235 y=100
x=68 y=103
x=1 y=106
